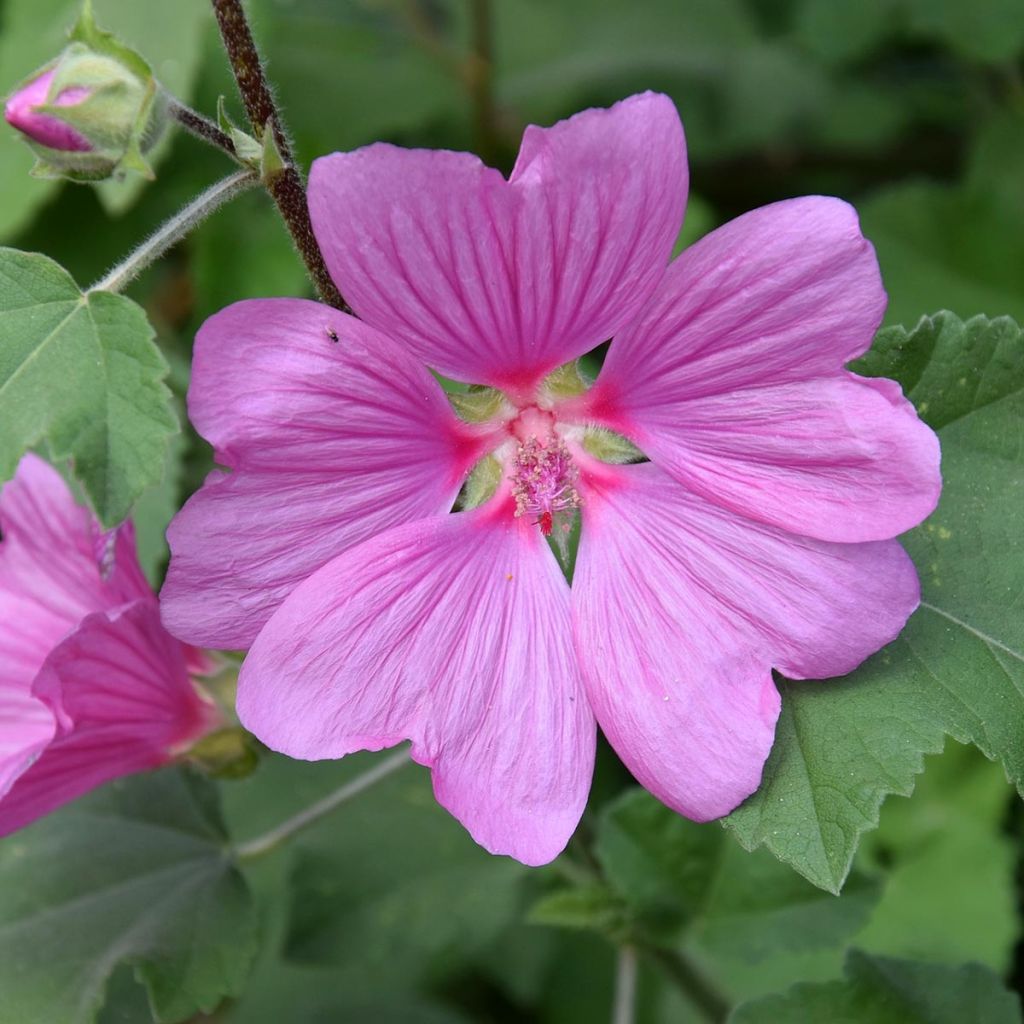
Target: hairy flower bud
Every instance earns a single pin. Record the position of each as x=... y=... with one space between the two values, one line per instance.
x=93 y=112
x=24 y=111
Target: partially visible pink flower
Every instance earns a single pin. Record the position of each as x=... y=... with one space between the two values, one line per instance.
x=758 y=536
x=22 y=111
x=92 y=687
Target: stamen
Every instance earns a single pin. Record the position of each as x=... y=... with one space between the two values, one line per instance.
x=544 y=484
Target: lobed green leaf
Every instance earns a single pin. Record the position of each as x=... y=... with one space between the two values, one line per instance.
x=81 y=372
x=676 y=880
x=878 y=990
x=137 y=873
x=958 y=668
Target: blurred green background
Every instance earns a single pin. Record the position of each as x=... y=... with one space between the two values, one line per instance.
x=911 y=109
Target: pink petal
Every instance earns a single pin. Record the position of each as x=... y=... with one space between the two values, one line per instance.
x=682 y=609
x=26 y=727
x=732 y=379
x=329 y=443
x=126 y=703
x=49 y=567
x=21 y=112
x=836 y=458
x=452 y=632
x=500 y=282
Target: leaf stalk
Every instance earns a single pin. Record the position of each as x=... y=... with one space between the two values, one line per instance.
x=174 y=229
x=281 y=833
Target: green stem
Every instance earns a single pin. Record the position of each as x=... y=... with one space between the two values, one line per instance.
x=283 y=832
x=624 y=1008
x=174 y=229
x=691 y=980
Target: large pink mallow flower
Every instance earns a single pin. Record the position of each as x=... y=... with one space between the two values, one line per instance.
x=92 y=687
x=758 y=535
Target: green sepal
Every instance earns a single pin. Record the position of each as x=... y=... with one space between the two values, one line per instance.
x=591 y=907
x=228 y=753
x=88 y=32
x=567 y=381
x=272 y=163
x=478 y=404
x=224 y=121
x=608 y=446
x=482 y=483
x=247 y=149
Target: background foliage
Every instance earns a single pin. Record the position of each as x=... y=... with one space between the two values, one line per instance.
x=911 y=109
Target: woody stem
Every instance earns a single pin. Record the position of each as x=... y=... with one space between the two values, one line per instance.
x=285 y=186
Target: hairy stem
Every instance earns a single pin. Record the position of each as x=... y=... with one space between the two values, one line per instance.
x=174 y=229
x=692 y=982
x=201 y=127
x=480 y=80
x=285 y=187
x=624 y=1008
x=276 y=836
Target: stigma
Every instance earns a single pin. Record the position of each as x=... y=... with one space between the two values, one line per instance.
x=544 y=478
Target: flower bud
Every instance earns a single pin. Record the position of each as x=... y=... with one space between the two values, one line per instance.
x=22 y=111
x=93 y=112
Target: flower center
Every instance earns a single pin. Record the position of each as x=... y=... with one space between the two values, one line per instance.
x=544 y=479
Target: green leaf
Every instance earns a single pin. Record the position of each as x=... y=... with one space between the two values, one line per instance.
x=843 y=33
x=882 y=991
x=987 y=30
x=734 y=89
x=375 y=67
x=390 y=888
x=942 y=246
x=595 y=907
x=958 y=668
x=155 y=509
x=135 y=873
x=934 y=843
x=81 y=372
x=681 y=879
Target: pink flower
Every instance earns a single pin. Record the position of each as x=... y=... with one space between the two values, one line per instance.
x=758 y=536
x=92 y=687
x=22 y=112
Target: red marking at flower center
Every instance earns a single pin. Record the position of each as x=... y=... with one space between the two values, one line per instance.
x=544 y=482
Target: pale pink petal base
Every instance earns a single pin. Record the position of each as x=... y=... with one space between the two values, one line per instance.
x=732 y=380
x=120 y=687
x=499 y=282
x=453 y=632
x=332 y=434
x=683 y=608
